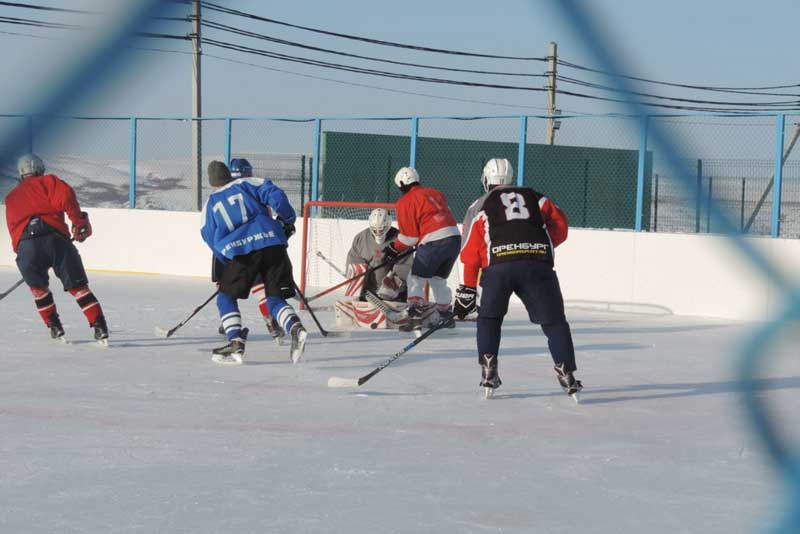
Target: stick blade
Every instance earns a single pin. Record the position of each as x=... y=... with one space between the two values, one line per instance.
x=339 y=382
x=160 y=332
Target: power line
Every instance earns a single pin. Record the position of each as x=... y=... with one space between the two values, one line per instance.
x=46 y=8
x=59 y=26
x=396 y=75
x=583 y=83
x=38 y=23
x=230 y=11
x=379 y=88
x=684 y=85
x=78 y=11
x=313 y=77
x=362 y=70
x=224 y=27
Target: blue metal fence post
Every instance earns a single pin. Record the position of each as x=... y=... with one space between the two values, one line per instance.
x=523 y=139
x=315 y=166
x=132 y=186
x=29 y=140
x=412 y=158
x=228 y=128
x=640 y=172
x=780 y=127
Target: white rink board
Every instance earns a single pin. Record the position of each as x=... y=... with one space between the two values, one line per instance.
x=669 y=273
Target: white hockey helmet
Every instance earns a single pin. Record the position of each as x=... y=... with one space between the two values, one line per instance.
x=497 y=171
x=406 y=176
x=379 y=223
x=30 y=165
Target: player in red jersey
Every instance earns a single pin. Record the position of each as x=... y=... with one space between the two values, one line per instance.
x=35 y=211
x=425 y=220
x=510 y=234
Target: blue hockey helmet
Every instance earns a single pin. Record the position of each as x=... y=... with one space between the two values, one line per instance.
x=241 y=168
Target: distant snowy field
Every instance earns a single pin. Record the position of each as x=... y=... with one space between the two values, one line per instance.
x=151 y=436
x=163 y=184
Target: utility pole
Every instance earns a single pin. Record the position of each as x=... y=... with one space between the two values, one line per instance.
x=197 y=111
x=552 y=126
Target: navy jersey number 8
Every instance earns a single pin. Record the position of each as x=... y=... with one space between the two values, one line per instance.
x=515 y=206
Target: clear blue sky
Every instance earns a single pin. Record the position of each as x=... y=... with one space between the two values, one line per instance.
x=714 y=42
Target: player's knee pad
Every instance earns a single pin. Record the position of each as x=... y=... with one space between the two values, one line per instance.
x=416 y=286
x=441 y=291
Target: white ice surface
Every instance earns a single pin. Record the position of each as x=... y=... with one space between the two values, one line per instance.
x=150 y=436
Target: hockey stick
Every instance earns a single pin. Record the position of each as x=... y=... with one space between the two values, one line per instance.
x=160 y=332
x=12 y=288
x=325 y=333
x=338 y=382
x=365 y=273
x=331 y=265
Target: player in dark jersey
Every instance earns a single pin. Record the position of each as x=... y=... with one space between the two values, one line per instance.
x=509 y=235
x=35 y=212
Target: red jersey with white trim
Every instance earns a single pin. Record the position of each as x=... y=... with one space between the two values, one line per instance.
x=46 y=196
x=512 y=224
x=423 y=216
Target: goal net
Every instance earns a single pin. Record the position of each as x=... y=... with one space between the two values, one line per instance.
x=328 y=231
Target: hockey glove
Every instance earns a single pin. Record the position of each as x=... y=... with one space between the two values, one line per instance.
x=288 y=229
x=390 y=253
x=465 y=301
x=82 y=229
x=391 y=287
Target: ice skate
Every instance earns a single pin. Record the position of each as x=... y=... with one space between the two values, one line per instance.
x=414 y=323
x=233 y=352
x=56 y=329
x=100 y=331
x=490 y=379
x=298 y=334
x=571 y=386
x=447 y=317
x=275 y=330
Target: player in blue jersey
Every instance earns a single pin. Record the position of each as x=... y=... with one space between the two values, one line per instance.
x=241 y=168
x=241 y=231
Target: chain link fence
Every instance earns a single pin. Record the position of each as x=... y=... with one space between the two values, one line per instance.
x=592 y=170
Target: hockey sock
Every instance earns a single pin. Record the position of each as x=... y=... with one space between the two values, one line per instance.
x=283 y=312
x=229 y=315
x=45 y=304
x=559 y=340
x=88 y=303
x=489 y=335
x=259 y=293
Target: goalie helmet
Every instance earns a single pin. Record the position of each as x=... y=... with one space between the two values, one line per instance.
x=379 y=223
x=406 y=176
x=497 y=171
x=30 y=165
x=241 y=168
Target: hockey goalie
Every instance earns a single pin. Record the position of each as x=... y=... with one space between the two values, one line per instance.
x=377 y=300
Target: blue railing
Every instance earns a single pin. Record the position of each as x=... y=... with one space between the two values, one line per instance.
x=311 y=144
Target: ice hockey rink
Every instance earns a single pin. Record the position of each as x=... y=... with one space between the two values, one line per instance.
x=150 y=436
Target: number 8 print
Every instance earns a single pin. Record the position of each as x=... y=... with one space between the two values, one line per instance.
x=515 y=206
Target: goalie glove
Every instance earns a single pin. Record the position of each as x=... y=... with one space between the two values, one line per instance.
x=391 y=287
x=81 y=228
x=465 y=301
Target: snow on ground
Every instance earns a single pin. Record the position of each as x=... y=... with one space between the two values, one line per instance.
x=151 y=436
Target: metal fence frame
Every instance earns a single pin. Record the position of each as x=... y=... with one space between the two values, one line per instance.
x=780 y=126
